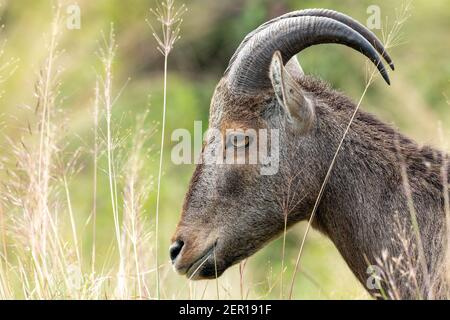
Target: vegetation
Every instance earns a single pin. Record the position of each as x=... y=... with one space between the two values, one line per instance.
x=89 y=201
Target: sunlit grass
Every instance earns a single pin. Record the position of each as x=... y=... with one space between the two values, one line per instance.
x=170 y=19
x=76 y=221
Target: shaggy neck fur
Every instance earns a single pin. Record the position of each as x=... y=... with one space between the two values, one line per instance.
x=368 y=203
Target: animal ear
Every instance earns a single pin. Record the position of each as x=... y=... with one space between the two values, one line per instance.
x=290 y=95
x=294 y=68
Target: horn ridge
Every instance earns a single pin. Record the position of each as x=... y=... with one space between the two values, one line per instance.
x=249 y=71
x=327 y=13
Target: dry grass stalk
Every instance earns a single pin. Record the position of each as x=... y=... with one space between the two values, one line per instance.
x=446 y=187
x=170 y=20
x=135 y=239
x=43 y=264
x=7 y=68
x=46 y=265
x=95 y=156
x=290 y=201
x=415 y=225
x=445 y=191
x=107 y=55
x=242 y=265
x=405 y=264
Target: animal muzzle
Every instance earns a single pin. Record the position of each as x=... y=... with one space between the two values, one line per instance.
x=195 y=256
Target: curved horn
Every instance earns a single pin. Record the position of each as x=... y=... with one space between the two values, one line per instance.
x=249 y=72
x=352 y=23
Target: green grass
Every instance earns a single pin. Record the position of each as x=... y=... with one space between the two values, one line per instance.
x=415 y=102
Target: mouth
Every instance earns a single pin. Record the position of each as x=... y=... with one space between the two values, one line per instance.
x=204 y=267
x=195 y=271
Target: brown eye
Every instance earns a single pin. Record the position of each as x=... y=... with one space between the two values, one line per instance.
x=238 y=140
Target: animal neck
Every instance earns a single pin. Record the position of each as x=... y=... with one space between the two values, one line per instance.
x=381 y=183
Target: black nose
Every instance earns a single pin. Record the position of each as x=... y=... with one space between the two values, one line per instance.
x=175 y=249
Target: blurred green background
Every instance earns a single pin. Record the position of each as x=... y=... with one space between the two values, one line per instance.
x=416 y=102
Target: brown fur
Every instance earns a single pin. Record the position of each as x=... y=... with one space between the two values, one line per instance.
x=237 y=211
